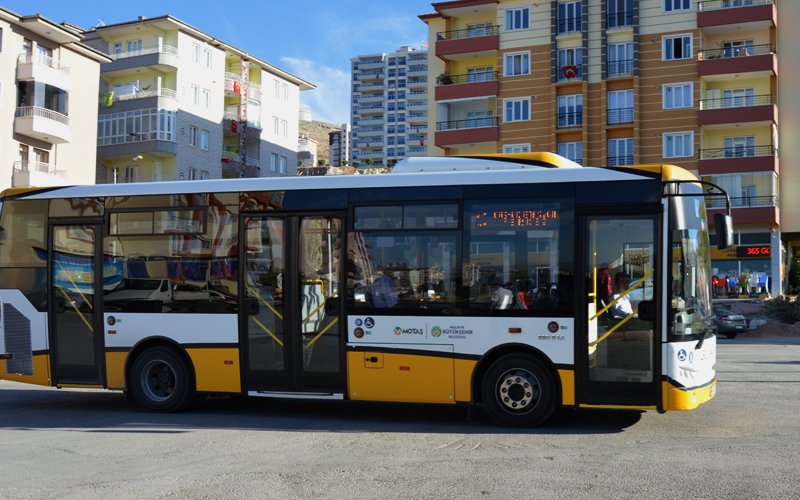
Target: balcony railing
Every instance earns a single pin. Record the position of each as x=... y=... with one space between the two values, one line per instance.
x=570 y=119
x=569 y=25
x=737 y=152
x=26 y=58
x=165 y=49
x=488 y=121
x=483 y=76
x=616 y=161
x=737 y=102
x=707 y=5
x=26 y=111
x=743 y=51
x=141 y=94
x=620 y=115
x=36 y=166
x=620 y=68
x=569 y=72
x=619 y=19
x=744 y=202
x=468 y=33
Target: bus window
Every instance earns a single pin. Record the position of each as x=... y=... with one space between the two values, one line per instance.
x=401 y=260
x=23 y=249
x=517 y=256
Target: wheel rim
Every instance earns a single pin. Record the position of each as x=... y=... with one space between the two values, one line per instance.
x=158 y=380
x=518 y=390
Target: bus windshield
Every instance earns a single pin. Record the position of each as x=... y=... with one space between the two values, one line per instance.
x=690 y=267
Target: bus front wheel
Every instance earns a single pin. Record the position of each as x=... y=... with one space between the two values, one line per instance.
x=161 y=381
x=519 y=391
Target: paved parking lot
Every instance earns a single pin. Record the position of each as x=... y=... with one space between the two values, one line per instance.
x=88 y=444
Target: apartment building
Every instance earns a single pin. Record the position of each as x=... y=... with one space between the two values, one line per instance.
x=339 y=146
x=389 y=107
x=48 y=95
x=615 y=82
x=177 y=103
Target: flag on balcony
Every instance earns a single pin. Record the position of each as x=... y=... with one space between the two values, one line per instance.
x=570 y=71
x=237 y=88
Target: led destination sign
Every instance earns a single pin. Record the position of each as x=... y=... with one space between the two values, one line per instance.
x=753 y=251
x=524 y=218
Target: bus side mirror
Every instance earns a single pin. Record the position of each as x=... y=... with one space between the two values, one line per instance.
x=723 y=225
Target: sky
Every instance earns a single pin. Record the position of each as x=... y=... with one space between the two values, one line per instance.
x=312 y=39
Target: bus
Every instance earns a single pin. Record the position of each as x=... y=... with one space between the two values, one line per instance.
x=477 y=281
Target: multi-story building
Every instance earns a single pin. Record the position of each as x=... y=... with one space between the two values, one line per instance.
x=48 y=95
x=614 y=82
x=176 y=103
x=339 y=146
x=389 y=106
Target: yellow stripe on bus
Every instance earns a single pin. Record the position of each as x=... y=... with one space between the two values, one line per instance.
x=41 y=371
x=678 y=398
x=115 y=369
x=216 y=369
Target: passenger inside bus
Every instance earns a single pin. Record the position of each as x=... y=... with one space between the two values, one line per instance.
x=384 y=293
x=622 y=307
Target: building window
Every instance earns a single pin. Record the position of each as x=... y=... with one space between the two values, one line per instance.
x=517 y=148
x=196 y=53
x=570 y=110
x=569 y=17
x=620 y=106
x=285 y=88
x=192 y=173
x=284 y=128
x=672 y=5
x=571 y=150
x=620 y=152
x=134 y=47
x=276 y=125
x=136 y=126
x=479 y=29
x=678 y=95
x=204 y=174
x=1 y=39
x=518 y=19
x=206 y=98
x=282 y=164
x=517 y=63
x=677 y=47
x=517 y=110
x=737 y=48
x=620 y=59
x=195 y=94
x=679 y=145
x=204 y=139
x=620 y=13
x=736 y=98
x=192 y=135
x=207 y=57
x=480 y=74
x=273 y=162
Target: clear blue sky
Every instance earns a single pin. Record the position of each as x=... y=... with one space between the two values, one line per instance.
x=313 y=39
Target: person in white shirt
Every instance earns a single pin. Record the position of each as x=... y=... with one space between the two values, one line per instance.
x=622 y=307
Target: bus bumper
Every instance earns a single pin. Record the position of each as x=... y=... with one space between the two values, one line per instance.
x=683 y=398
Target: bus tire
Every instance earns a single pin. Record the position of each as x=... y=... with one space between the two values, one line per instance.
x=519 y=391
x=161 y=380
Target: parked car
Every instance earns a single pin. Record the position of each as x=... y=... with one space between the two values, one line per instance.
x=728 y=322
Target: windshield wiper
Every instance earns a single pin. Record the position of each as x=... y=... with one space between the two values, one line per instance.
x=707 y=332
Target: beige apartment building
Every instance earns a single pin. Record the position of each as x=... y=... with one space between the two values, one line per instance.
x=616 y=82
x=48 y=103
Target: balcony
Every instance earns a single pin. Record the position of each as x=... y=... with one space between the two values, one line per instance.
x=734 y=160
x=569 y=73
x=472 y=42
x=164 y=58
x=737 y=60
x=141 y=99
x=736 y=14
x=470 y=131
x=619 y=116
x=747 y=209
x=619 y=20
x=484 y=84
x=737 y=109
x=43 y=124
x=621 y=68
x=40 y=68
x=36 y=173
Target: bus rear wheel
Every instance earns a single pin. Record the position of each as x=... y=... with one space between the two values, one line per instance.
x=519 y=391
x=160 y=380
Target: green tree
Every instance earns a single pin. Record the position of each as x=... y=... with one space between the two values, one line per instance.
x=793 y=282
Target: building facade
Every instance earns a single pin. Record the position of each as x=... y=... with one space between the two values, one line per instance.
x=176 y=103
x=48 y=95
x=389 y=113
x=339 y=146
x=615 y=82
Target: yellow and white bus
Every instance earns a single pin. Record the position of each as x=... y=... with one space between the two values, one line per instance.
x=476 y=281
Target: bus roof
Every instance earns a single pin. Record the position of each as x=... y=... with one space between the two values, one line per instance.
x=479 y=170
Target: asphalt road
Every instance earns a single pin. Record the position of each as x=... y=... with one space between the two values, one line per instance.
x=89 y=444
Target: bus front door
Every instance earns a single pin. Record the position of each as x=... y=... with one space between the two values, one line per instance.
x=76 y=333
x=618 y=350
x=291 y=319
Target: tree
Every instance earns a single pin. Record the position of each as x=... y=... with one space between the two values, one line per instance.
x=793 y=281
